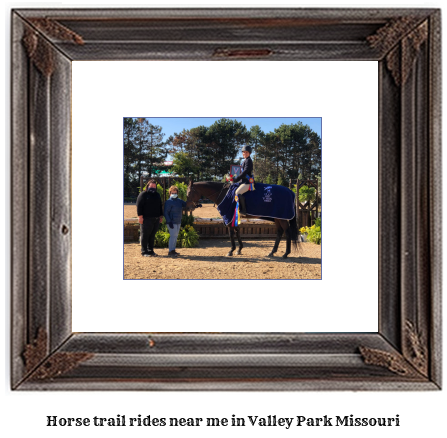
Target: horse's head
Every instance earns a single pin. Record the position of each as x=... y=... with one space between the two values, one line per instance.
x=192 y=197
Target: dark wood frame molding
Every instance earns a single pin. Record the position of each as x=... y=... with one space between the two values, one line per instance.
x=405 y=354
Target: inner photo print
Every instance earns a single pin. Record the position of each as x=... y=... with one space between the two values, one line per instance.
x=222 y=198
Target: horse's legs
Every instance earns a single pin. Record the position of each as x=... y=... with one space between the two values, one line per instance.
x=238 y=235
x=288 y=244
x=279 y=232
x=285 y=226
x=233 y=245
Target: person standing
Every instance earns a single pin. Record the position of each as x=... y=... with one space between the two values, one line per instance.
x=247 y=171
x=150 y=215
x=173 y=214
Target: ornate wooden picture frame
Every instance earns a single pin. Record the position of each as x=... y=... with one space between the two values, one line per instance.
x=405 y=353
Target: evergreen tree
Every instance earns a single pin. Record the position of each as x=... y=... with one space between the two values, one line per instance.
x=130 y=150
x=156 y=148
x=225 y=137
x=144 y=149
x=256 y=139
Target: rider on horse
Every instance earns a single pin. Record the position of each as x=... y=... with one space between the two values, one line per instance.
x=246 y=174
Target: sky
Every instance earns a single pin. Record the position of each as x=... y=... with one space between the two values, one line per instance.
x=171 y=125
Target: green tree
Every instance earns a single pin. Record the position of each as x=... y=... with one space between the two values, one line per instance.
x=319 y=184
x=129 y=156
x=144 y=149
x=306 y=151
x=314 y=155
x=290 y=150
x=141 y=145
x=183 y=164
x=284 y=152
x=155 y=152
x=281 y=181
x=201 y=150
x=178 y=141
x=225 y=137
x=196 y=143
x=256 y=139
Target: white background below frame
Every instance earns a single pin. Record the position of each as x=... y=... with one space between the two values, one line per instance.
x=344 y=94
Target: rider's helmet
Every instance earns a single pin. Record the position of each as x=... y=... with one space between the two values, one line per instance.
x=246 y=149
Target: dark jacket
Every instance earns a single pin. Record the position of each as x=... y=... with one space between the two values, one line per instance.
x=247 y=170
x=149 y=204
x=173 y=210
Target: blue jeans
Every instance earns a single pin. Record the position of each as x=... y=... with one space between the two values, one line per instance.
x=173 y=234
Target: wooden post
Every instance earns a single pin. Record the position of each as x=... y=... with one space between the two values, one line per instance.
x=297 y=206
x=141 y=183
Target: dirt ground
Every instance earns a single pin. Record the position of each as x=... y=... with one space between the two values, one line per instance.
x=209 y=261
x=130 y=211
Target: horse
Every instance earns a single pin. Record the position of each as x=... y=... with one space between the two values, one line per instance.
x=216 y=191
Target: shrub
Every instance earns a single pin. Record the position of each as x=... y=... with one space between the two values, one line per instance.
x=313 y=232
x=187 y=237
x=187 y=220
x=161 y=239
x=307 y=194
x=163 y=226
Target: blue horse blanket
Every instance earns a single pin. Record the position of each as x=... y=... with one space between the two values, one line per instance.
x=267 y=201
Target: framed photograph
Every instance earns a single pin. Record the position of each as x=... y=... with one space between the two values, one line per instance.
x=235 y=170
x=404 y=353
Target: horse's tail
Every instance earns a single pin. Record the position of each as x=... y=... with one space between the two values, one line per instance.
x=294 y=233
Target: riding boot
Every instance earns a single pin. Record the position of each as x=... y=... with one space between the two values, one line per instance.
x=242 y=206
